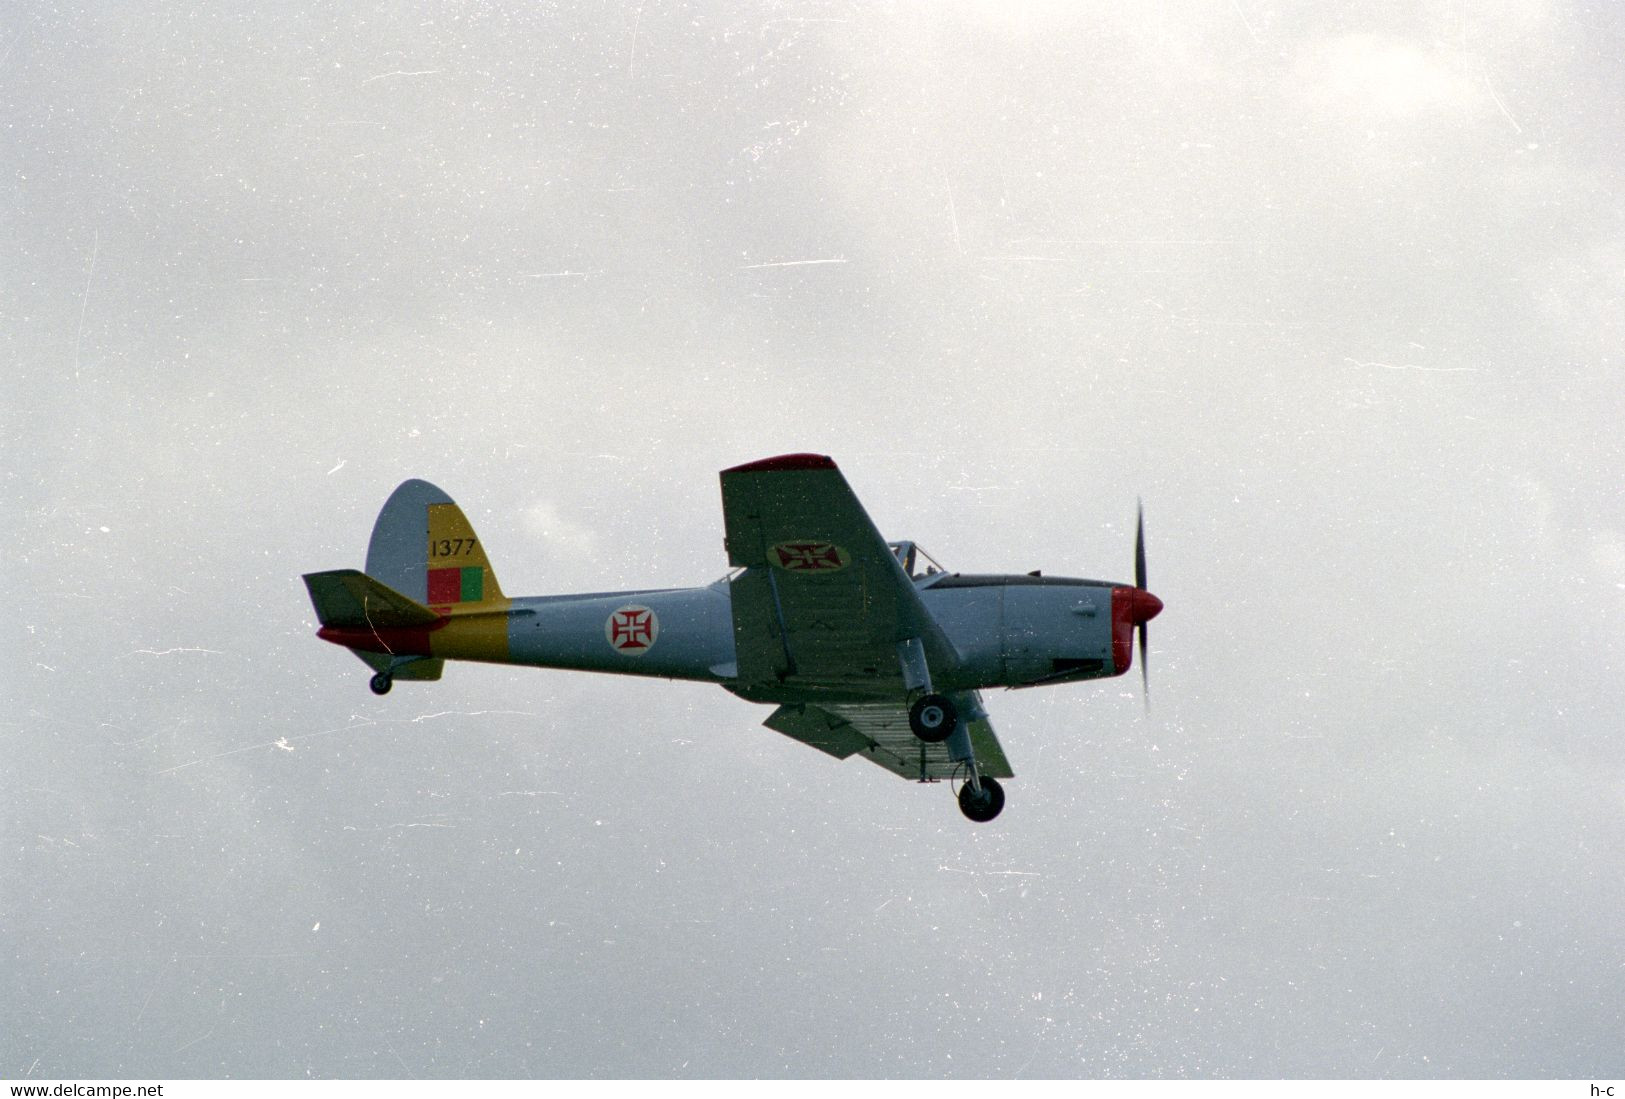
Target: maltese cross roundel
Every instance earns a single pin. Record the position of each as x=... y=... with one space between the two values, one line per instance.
x=632 y=630
x=809 y=556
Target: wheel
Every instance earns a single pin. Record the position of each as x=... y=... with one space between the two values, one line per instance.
x=381 y=683
x=982 y=807
x=932 y=718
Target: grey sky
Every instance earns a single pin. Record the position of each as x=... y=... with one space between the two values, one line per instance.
x=1338 y=293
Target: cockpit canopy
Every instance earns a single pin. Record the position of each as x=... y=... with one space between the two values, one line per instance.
x=915 y=561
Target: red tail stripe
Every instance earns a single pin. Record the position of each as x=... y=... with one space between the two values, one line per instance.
x=785 y=462
x=398 y=640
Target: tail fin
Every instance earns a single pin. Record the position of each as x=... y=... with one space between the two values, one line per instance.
x=425 y=548
x=424 y=566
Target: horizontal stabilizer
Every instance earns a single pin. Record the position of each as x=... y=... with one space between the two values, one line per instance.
x=350 y=599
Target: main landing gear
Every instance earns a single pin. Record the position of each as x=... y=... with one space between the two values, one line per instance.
x=381 y=683
x=981 y=805
x=933 y=717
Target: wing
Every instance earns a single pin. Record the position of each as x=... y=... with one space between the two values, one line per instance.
x=879 y=732
x=822 y=602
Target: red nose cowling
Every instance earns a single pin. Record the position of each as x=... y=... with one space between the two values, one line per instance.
x=1130 y=607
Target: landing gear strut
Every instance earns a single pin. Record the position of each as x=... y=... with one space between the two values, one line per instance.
x=932 y=717
x=935 y=718
x=381 y=683
x=981 y=805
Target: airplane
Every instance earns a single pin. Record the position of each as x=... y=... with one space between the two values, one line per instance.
x=865 y=647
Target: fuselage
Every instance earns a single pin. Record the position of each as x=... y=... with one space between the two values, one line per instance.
x=1008 y=631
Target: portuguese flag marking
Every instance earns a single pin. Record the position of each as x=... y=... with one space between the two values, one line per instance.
x=456 y=585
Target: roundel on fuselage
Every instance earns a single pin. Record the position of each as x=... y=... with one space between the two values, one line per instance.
x=632 y=630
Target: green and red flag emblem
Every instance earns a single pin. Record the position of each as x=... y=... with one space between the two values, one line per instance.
x=463 y=585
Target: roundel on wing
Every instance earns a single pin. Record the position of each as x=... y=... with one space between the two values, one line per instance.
x=809 y=557
x=632 y=630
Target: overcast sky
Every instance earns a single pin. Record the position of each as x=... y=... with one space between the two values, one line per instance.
x=1340 y=294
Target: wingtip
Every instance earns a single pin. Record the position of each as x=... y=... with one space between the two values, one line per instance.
x=784 y=463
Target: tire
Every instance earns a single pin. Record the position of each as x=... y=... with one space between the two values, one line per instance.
x=381 y=683
x=985 y=807
x=933 y=718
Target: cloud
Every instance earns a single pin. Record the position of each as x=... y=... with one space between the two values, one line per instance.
x=1385 y=75
x=563 y=264
x=569 y=539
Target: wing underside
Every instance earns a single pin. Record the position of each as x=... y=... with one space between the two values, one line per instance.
x=879 y=732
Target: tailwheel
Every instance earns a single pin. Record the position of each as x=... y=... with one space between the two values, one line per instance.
x=984 y=806
x=381 y=683
x=933 y=718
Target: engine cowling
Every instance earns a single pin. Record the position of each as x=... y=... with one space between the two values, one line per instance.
x=1131 y=607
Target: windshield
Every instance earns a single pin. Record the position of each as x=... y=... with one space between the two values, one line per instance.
x=915 y=561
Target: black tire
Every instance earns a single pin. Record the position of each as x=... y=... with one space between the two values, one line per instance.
x=984 y=807
x=381 y=683
x=933 y=718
